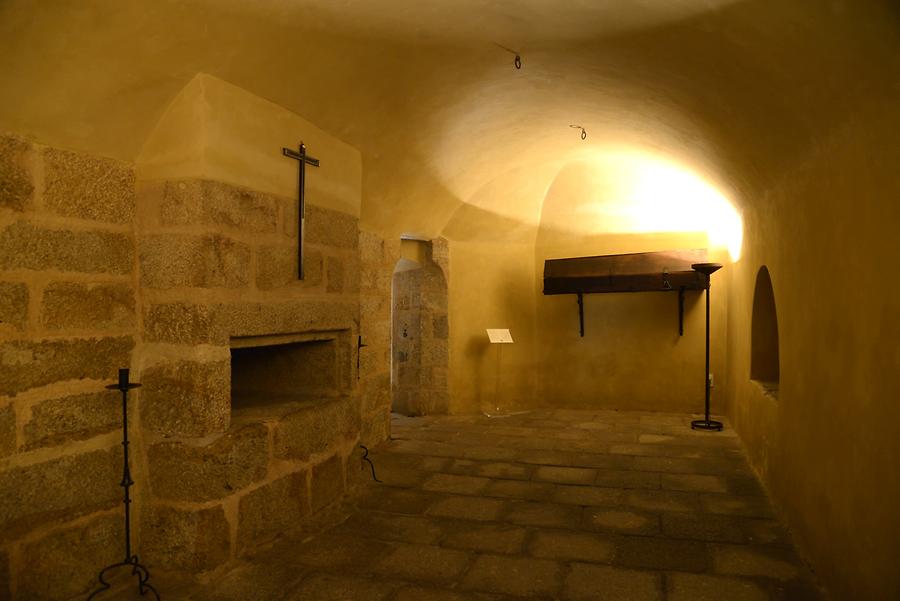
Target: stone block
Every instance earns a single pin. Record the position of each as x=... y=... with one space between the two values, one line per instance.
x=88 y=187
x=76 y=417
x=621 y=520
x=351 y=275
x=491 y=538
x=276 y=266
x=662 y=554
x=181 y=539
x=181 y=323
x=15 y=180
x=186 y=472
x=387 y=526
x=566 y=475
x=66 y=487
x=329 y=587
x=526 y=491
x=181 y=260
x=5 y=583
x=703 y=587
x=548 y=515
x=71 y=305
x=27 y=364
x=7 y=431
x=424 y=563
x=467 y=508
x=588 y=495
x=371 y=248
x=327 y=482
x=316 y=429
x=330 y=228
x=187 y=398
x=65 y=564
x=459 y=485
x=334 y=274
x=603 y=583
x=257 y=581
x=743 y=560
x=520 y=576
x=273 y=508
x=376 y=428
x=254 y=319
x=440 y=327
x=206 y=202
x=704 y=526
x=562 y=545
x=13 y=305
x=24 y=245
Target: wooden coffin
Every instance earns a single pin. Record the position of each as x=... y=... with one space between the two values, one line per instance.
x=633 y=272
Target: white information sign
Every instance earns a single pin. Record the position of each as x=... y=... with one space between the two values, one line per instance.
x=499 y=336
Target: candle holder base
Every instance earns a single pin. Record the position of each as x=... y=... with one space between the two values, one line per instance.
x=706 y=424
x=137 y=569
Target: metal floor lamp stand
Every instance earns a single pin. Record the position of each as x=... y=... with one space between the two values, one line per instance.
x=137 y=569
x=706 y=423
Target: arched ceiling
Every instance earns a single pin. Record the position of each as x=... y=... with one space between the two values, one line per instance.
x=454 y=139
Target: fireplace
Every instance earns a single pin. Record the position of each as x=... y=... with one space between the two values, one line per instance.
x=286 y=369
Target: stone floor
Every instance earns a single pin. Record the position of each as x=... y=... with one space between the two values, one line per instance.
x=562 y=505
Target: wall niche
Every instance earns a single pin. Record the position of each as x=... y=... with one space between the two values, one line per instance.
x=764 y=366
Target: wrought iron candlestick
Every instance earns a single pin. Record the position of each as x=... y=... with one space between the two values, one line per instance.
x=706 y=423
x=137 y=569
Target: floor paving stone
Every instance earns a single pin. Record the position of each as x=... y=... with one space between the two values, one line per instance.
x=468 y=508
x=551 y=505
x=491 y=538
x=549 y=515
x=519 y=576
x=662 y=554
x=423 y=562
x=602 y=583
x=566 y=545
x=703 y=587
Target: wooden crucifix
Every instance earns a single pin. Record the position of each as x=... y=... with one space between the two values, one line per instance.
x=301 y=203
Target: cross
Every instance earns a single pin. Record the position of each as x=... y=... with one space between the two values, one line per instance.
x=301 y=204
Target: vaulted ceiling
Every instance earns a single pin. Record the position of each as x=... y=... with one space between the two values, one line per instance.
x=454 y=138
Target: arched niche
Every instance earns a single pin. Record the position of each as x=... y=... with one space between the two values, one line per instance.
x=764 y=366
x=420 y=330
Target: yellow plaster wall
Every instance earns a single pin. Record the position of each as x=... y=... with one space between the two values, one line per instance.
x=215 y=130
x=828 y=449
x=491 y=286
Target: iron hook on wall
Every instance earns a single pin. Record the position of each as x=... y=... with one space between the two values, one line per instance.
x=518 y=60
x=583 y=132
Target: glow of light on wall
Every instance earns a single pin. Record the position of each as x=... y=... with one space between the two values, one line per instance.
x=652 y=195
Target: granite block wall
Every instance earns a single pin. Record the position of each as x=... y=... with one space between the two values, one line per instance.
x=99 y=271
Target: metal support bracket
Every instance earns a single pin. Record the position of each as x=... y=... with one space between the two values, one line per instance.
x=581 y=314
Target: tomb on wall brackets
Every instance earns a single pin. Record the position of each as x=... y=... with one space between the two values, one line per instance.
x=667 y=271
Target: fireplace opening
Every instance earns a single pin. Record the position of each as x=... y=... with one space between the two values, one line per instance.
x=272 y=370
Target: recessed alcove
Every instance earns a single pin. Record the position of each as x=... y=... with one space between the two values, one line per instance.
x=764 y=362
x=268 y=371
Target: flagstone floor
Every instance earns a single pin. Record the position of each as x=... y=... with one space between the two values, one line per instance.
x=554 y=505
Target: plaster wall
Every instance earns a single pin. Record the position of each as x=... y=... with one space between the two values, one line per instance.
x=828 y=447
x=631 y=356
x=491 y=286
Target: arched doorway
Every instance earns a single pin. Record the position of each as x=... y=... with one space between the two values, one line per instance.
x=420 y=330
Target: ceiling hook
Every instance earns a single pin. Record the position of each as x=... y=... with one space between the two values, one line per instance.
x=583 y=132
x=518 y=62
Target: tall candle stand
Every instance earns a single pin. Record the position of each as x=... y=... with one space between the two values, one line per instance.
x=706 y=423
x=137 y=569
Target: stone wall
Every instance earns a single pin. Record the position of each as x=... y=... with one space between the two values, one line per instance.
x=378 y=257
x=98 y=273
x=421 y=331
x=68 y=320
